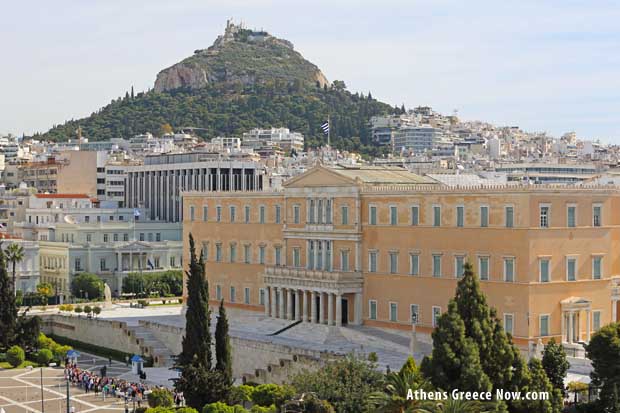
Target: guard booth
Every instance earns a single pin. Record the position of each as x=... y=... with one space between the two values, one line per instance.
x=72 y=356
x=137 y=363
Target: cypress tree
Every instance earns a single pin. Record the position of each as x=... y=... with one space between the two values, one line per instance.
x=223 y=352
x=555 y=364
x=196 y=345
x=8 y=307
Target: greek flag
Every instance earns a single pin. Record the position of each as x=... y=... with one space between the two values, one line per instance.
x=325 y=127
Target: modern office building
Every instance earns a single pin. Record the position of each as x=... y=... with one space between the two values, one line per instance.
x=417 y=139
x=374 y=245
x=157 y=184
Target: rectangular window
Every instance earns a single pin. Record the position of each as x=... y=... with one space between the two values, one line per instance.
x=89 y=237
x=436 y=265
x=508 y=323
x=205 y=213
x=544 y=216
x=261 y=255
x=233 y=213
x=571 y=216
x=261 y=296
x=278 y=251
x=344 y=215
x=191 y=213
x=510 y=216
x=278 y=214
x=205 y=251
x=218 y=213
x=261 y=211
x=393 y=312
x=597 y=268
x=296 y=258
x=328 y=211
x=233 y=294
x=436 y=315
x=233 y=252
x=393 y=262
x=247 y=214
x=372 y=309
x=544 y=325
x=218 y=252
x=436 y=216
x=571 y=269
x=296 y=214
x=484 y=216
x=218 y=292
x=372 y=220
x=483 y=268
x=115 y=237
x=509 y=269
x=459 y=263
x=157 y=236
x=596 y=215
x=311 y=212
x=344 y=260
x=415 y=215
x=173 y=261
x=106 y=238
x=460 y=216
x=319 y=210
x=247 y=254
x=596 y=320
x=544 y=270
x=102 y=264
x=372 y=261
x=246 y=295
x=393 y=215
x=414 y=313
x=78 y=264
x=414 y=264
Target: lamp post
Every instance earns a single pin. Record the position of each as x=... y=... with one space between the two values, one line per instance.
x=414 y=321
x=42 y=400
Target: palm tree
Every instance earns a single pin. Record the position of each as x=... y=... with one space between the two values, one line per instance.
x=14 y=253
x=459 y=406
x=393 y=399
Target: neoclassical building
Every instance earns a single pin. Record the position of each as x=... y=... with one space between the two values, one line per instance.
x=374 y=245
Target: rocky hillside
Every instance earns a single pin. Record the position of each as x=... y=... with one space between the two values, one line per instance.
x=246 y=79
x=240 y=56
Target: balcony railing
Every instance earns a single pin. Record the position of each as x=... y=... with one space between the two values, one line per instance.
x=292 y=277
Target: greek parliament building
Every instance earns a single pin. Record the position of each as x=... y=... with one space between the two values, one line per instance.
x=157 y=184
x=373 y=246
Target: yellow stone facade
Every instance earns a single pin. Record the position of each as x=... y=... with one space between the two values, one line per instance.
x=388 y=243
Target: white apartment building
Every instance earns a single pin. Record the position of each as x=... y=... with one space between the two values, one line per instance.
x=282 y=137
x=417 y=139
x=27 y=274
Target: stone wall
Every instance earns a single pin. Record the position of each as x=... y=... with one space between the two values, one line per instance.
x=254 y=360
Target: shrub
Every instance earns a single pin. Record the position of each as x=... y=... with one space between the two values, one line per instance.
x=78 y=309
x=160 y=397
x=262 y=409
x=268 y=394
x=186 y=410
x=44 y=356
x=97 y=310
x=88 y=309
x=217 y=407
x=69 y=307
x=15 y=356
x=241 y=394
x=159 y=409
x=62 y=307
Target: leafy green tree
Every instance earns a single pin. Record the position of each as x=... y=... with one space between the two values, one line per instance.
x=88 y=309
x=241 y=394
x=87 y=285
x=268 y=394
x=44 y=356
x=160 y=397
x=454 y=362
x=603 y=351
x=45 y=289
x=28 y=330
x=201 y=386
x=308 y=403
x=345 y=383
x=223 y=352
x=8 y=308
x=14 y=254
x=540 y=384
x=555 y=364
x=15 y=356
x=96 y=310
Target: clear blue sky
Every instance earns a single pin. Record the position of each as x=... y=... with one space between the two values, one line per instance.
x=543 y=65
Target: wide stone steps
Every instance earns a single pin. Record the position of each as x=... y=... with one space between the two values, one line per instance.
x=151 y=346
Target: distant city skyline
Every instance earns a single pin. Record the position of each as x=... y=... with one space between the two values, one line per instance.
x=543 y=67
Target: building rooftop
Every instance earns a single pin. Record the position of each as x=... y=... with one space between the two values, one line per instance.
x=62 y=196
x=382 y=175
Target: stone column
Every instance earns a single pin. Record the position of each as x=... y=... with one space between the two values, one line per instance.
x=563 y=327
x=313 y=307
x=266 y=301
x=282 y=308
x=571 y=317
x=289 y=304
x=297 y=305
x=321 y=308
x=330 y=309
x=588 y=326
x=358 y=309
x=338 y=310
x=304 y=305
x=119 y=261
x=274 y=310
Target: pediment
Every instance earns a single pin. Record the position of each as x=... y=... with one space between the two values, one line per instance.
x=319 y=176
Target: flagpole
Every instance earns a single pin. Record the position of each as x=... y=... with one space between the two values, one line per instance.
x=329 y=130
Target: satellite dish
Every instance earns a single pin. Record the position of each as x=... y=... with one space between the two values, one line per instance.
x=69 y=219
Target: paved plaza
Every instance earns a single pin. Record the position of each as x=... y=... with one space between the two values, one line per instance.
x=20 y=389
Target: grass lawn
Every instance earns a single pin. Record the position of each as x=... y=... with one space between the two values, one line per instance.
x=6 y=365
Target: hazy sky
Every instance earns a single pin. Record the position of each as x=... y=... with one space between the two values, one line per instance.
x=543 y=65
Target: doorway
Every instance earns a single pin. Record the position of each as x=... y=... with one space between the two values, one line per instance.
x=345 y=311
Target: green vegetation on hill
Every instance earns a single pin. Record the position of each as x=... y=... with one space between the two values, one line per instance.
x=231 y=109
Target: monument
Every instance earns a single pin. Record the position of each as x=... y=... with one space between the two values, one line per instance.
x=107 y=294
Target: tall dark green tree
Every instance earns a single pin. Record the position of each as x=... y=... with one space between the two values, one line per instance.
x=223 y=352
x=196 y=345
x=555 y=364
x=604 y=352
x=540 y=384
x=8 y=307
